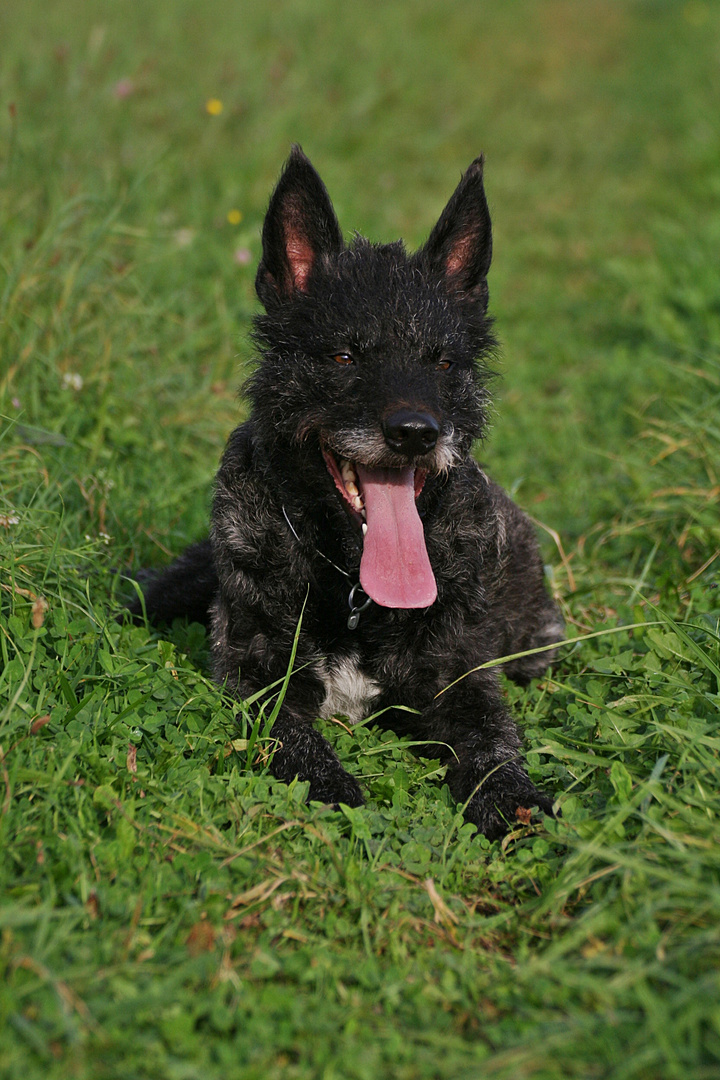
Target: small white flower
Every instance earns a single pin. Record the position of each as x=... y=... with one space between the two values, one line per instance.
x=72 y=381
x=6 y=520
x=184 y=237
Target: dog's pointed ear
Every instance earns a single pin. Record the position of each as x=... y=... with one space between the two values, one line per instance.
x=460 y=245
x=300 y=228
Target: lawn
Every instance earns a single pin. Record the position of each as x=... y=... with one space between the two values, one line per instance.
x=167 y=910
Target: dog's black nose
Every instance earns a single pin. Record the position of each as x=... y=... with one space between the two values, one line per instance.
x=411 y=433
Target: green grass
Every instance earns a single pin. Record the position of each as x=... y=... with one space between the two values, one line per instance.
x=168 y=910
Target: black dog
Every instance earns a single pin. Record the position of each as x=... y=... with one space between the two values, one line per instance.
x=352 y=490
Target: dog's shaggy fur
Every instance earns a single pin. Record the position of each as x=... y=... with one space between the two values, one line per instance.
x=355 y=469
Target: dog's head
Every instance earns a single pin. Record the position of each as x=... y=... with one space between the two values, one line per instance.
x=372 y=359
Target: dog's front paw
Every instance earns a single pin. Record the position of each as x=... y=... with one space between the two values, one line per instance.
x=505 y=798
x=335 y=788
x=304 y=752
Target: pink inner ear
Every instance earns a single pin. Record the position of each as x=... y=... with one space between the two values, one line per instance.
x=459 y=257
x=301 y=258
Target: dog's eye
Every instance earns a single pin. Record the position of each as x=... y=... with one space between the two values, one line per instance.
x=343 y=358
x=445 y=365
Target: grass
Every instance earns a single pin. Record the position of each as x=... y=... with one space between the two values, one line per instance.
x=167 y=909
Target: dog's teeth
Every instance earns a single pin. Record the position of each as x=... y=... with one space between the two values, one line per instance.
x=351 y=488
x=364 y=527
x=357 y=503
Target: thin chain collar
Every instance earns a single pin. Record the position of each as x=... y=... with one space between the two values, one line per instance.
x=356 y=609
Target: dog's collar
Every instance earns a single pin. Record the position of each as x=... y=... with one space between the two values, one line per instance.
x=356 y=609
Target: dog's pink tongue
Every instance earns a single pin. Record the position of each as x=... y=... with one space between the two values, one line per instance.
x=395 y=569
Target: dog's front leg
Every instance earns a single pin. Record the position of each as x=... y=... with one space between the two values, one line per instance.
x=485 y=767
x=303 y=752
x=298 y=748
x=251 y=649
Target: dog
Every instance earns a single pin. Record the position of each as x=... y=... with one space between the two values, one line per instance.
x=350 y=503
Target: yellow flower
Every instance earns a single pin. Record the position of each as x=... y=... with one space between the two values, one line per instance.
x=234 y=217
x=214 y=106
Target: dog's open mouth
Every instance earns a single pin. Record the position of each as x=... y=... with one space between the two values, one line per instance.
x=395 y=570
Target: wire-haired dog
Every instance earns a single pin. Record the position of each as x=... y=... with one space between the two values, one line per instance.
x=352 y=490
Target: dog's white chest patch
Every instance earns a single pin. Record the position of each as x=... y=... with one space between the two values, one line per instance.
x=348 y=691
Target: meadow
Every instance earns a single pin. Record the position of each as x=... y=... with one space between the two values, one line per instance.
x=167 y=910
